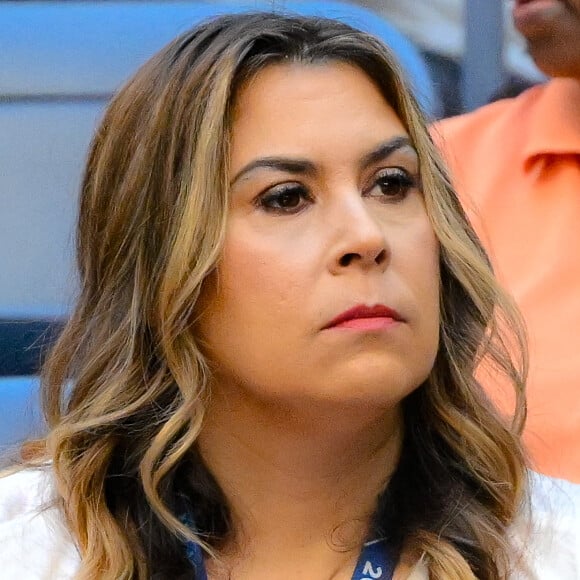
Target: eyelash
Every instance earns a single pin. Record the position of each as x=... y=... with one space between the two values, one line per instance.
x=267 y=200
x=396 y=177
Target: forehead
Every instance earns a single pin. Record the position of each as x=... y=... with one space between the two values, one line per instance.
x=307 y=108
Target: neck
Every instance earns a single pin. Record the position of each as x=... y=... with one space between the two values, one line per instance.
x=301 y=483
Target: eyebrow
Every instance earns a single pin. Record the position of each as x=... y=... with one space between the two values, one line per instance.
x=386 y=149
x=296 y=166
x=306 y=167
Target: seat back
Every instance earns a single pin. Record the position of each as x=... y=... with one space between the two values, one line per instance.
x=20 y=416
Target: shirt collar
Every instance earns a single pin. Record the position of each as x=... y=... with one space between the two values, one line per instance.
x=555 y=124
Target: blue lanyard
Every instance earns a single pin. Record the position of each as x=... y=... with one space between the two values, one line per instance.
x=195 y=556
x=373 y=563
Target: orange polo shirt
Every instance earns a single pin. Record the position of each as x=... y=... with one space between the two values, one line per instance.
x=516 y=166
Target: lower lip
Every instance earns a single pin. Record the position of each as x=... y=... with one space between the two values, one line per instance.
x=374 y=323
x=532 y=12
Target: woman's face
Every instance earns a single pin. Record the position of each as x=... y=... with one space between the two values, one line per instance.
x=328 y=289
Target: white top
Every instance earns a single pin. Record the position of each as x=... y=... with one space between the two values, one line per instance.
x=35 y=545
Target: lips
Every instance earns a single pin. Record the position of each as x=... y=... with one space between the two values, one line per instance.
x=537 y=12
x=523 y=2
x=366 y=317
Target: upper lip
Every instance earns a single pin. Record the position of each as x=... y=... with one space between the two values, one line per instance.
x=364 y=311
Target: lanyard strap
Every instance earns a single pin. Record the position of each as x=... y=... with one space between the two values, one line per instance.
x=195 y=556
x=373 y=563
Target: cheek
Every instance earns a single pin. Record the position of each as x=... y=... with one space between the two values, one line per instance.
x=431 y=258
x=254 y=315
x=431 y=268
x=420 y=258
x=260 y=283
x=433 y=288
x=420 y=264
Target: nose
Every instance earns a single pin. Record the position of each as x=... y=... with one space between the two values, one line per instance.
x=361 y=240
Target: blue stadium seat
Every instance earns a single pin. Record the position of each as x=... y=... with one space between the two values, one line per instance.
x=92 y=47
x=20 y=416
x=24 y=343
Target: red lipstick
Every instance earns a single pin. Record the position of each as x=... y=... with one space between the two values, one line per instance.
x=364 y=317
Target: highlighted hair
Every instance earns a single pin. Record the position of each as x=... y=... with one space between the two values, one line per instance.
x=151 y=224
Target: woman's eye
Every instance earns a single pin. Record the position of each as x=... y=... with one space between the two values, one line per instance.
x=284 y=199
x=393 y=183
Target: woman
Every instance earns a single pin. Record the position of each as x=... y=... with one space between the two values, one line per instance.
x=270 y=369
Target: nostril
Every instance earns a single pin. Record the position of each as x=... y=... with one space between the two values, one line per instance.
x=347 y=259
x=381 y=257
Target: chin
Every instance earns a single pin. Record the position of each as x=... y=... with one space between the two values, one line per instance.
x=555 y=58
x=381 y=390
x=552 y=68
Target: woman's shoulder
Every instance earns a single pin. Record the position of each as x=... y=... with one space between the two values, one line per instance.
x=34 y=542
x=548 y=533
x=21 y=491
x=549 y=495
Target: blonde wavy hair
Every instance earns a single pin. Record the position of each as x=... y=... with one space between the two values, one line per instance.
x=126 y=385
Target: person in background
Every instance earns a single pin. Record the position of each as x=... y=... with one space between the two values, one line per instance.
x=269 y=373
x=437 y=27
x=516 y=164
